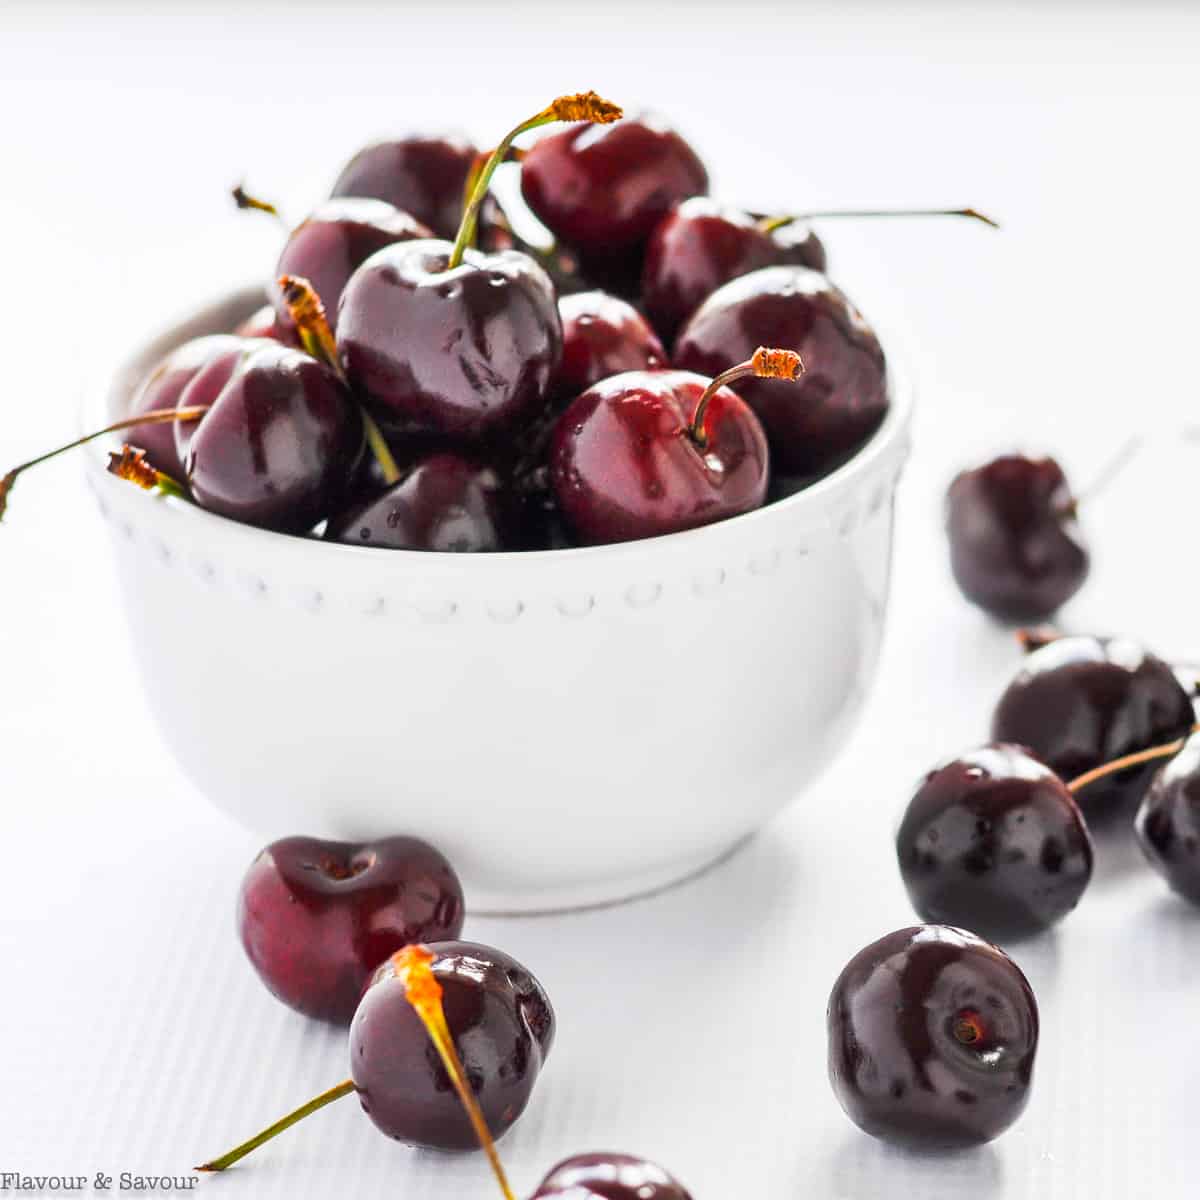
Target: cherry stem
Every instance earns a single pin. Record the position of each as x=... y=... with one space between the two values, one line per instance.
x=764 y=363
x=316 y=336
x=770 y=224
x=159 y=417
x=1168 y=750
x=1124 y=455
x=413 y=966
x=245 y=201
x=318 y=1102
x=583 y=106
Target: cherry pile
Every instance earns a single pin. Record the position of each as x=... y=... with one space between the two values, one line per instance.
x=422 y=378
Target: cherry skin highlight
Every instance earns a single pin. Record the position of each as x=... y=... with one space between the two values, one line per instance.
x=602 y=190
x=609 y=1177
x=501 y=1023
x=446 y=503
x=1078 y=702
x=811 y=425
x=624 y=463
x=1015 y=545
x=163 y=388
x=317 y=917
x=602 y=336
x=280 y=444
x=467 y=352
x=330 y=245
x=932 y=1038
x=422 y=175
x=1168 y=821
x=993 y=841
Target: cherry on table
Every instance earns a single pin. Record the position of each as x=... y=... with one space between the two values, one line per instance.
x=843 y=396
x=1080 y=702
x=1168 y=820
x=445 y=503
x=654 y=452
x=317 y=917
x=933 y=1034
x=993 y=841
x=446 y=340
x=609 y=1176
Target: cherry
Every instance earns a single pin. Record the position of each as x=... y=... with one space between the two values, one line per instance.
x=654 y=452
x=994 y=841
x=1168 y=821
x=317 y=917
x=609 y=1177
x=443 y=339
x=422 y=175
x=163 y=389
x=844 y=393
x=332 y=243
x=602 y=191
x=1015 y=545
x=602 y=336
x=445 y=503
x=932 y=1038
x=1079 y=702
x=491 y=1026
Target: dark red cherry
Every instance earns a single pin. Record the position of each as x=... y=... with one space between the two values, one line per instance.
x=602 y=336
x=1079 y=702
x=635 y=457
x=932 y=1038
x=467 y=351
x=1168 y=821
x=280 y=444
x=331 y=244
x=993 y=841
x=422 y=175
x=694 y=249
x=1015 y=545
x=609 y=1177
x=163 y=389
x=843 y=395
x=445 y=503
x=317 y=917
x=502 y=1025
x=603 y=190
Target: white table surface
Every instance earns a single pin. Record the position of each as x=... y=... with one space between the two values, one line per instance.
x=133 y=1035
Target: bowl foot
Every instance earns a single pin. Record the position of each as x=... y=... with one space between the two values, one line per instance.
x=483 y=902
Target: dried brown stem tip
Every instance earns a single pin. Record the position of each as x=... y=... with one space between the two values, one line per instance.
x=776 y=364
x=585 y=106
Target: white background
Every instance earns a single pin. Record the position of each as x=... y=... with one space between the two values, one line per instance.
x=133 y=1036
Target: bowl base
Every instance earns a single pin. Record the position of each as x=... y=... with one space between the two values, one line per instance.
x=482 y=902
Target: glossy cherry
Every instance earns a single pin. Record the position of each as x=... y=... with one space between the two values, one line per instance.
x=602 y=191
x=331 y=244
x=1168 y=821
x=422 y=175
x=280 y=443
x=317 y=917
x=602 y=336
x=1078 y=702
x=932 y=1038
x=1016 y=549
x=163 y=389
x=445 y=503
x=844 y=393
x=445 y=1048
x=443 y=339
x=609 y=1177
x=654 y=452
x=993 y=841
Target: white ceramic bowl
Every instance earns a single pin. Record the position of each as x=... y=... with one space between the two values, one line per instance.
x=570 y=727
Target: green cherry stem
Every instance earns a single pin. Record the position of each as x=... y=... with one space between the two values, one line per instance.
x=584 y=106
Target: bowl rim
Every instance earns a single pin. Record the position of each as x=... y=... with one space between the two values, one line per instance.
x=891 y=437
